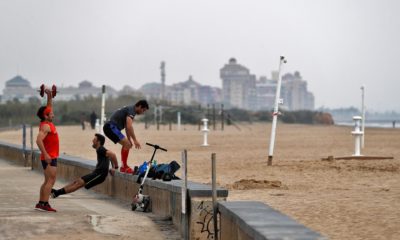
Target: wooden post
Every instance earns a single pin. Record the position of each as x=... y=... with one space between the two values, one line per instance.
x=24 y=143
x=222 y=117
x=185 y=216
x=31 y=147
x=214 y=194
x=213 y=110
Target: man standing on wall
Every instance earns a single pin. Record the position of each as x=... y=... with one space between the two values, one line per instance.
x=123 y=119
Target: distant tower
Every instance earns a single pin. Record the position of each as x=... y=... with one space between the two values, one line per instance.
x=162 y=67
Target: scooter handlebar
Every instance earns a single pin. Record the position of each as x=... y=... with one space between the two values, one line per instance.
x=156 y=147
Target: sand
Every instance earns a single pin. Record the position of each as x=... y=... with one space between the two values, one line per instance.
x=342 y=199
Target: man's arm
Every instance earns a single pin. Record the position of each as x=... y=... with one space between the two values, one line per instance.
x=43 y=131
x=49 y=98
x=114 y=161
x=130 y=132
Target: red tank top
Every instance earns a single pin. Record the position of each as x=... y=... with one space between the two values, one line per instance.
x=51 y=143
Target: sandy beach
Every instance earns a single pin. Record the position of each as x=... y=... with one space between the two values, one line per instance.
x=342 y=199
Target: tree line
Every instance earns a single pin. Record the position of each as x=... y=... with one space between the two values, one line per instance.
x=15 y=113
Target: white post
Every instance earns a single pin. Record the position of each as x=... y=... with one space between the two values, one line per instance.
x=363 y=115
x=276 y=111
x=97 y=125
x=179 y=120
x=103 y=103
x=155 y=115
x=205 y=132
x=357 y=133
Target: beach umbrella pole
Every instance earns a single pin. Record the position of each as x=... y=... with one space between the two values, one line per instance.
x=276 y=111
x=103 y=104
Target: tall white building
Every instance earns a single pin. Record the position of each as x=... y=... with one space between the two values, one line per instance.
x=266 y=91
x=238 y=86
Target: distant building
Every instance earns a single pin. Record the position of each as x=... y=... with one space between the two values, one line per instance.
x=84 y=89
x=18 y=88
x=241 y=90
x=265 y=92
x=295 y=93
x=238 y=86
x=185 y=92
x=209 y=95
x=128 y=90
x=151 y=90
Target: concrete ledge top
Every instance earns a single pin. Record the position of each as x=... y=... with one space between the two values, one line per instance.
x=260 y=221
x=194 y=189
x=11 y=145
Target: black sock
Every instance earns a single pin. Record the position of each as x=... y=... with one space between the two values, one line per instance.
x=60 y=192
x=41 y=202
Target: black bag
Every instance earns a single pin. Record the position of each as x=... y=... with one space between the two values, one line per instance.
x=163 y=171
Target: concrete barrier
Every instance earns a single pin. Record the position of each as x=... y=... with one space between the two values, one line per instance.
x=255 y=220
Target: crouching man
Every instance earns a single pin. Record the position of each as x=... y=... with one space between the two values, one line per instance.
x=98 y=175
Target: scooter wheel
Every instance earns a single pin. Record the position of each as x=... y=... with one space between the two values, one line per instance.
x=146 y=203
x=133 y=206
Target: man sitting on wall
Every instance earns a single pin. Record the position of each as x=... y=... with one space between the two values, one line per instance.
x=98 y=175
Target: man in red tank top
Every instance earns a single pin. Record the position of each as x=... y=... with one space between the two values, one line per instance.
x=47 y=141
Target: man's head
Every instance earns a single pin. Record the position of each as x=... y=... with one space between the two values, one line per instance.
x=141 y=107
x=45 y=114
x=98 y=140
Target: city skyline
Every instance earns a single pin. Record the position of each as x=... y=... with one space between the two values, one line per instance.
x=337 y=46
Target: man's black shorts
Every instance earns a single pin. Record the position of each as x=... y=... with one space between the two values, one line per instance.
x=112 y=132
x=53 y=163
x=94 y=178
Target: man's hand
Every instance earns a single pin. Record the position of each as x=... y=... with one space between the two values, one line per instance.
x=137 y=144
x=48 y=92
x=47 y=158
x=130 y=143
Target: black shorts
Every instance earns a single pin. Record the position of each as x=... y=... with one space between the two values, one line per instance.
x=53 y=163
x=94 y=178
x=112 y=132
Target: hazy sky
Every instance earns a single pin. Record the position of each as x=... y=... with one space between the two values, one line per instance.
x=337 y=45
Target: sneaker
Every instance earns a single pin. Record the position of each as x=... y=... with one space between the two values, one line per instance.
x=53 y=193
x=125 y=169
x=135 y=170
x=44 y=208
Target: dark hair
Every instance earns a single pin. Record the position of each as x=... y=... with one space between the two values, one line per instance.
x=143 y=104
x=40 y=113
x=101 y=138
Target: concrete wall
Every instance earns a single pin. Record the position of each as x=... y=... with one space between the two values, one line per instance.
x=255 y=220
